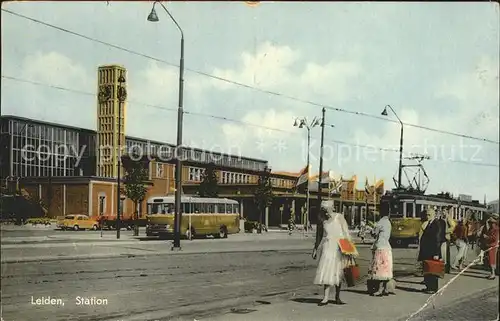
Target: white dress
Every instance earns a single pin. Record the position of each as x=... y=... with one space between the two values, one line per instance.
x=331 y=264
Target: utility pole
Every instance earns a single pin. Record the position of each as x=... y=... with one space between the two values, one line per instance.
x=122 y=96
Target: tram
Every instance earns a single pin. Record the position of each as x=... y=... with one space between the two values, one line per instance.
x=404 y=208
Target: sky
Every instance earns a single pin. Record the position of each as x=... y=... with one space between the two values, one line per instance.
x=435 y=64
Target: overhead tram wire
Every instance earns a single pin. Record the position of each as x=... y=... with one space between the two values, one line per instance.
x=198 y=114
x=336 y=109
x=223 y=118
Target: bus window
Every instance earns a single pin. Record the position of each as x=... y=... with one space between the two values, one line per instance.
x=210 y=208
x=197 y=208
x=186 y=208
x=236 y=208
x=229 y=208
x=221 y=208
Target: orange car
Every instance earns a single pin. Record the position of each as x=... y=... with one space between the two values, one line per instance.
x=78 y=222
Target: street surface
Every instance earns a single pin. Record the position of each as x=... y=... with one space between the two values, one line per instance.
x=483 y=306
x=245 y=277
x=205 y=278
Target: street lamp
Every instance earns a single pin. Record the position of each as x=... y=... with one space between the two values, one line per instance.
x=303 y=123
x=384 y=113
x=153 y=17
x=122 y=96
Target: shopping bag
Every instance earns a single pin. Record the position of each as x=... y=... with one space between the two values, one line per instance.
x=347 y=247
x=372 y=286
x=434 y=267
x=351 y=273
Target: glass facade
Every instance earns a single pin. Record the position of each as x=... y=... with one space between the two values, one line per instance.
x=41 y=150
x=35 y=149
x=166 y=152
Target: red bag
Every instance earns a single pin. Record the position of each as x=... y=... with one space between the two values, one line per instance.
x=434 y=267
x=351 y=274
x=347 y=247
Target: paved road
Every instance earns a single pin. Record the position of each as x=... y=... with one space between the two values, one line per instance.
x=161 y=286
x=483 y=306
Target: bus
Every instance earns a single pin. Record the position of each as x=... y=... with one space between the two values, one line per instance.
x=404 y=210
x=201 y=216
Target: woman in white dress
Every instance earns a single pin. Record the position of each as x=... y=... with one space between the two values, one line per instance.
x=331 y=228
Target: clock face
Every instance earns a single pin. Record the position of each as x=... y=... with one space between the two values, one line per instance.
x=104 y=93
x=122 y=93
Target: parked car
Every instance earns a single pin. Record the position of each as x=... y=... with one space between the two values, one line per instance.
x=78 y=222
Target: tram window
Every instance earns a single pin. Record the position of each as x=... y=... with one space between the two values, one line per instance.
x=396 y=209
x=210 y=208
x=197 y=208
x=229 y=208
x=236 y=208
x=409 y=210
x=419 y=209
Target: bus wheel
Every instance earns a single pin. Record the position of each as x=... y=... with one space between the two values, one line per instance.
x=223 y=232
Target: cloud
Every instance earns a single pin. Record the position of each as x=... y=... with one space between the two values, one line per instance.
x=56 y=69
x=45 y=103
x=469 y=103
x=281 y=68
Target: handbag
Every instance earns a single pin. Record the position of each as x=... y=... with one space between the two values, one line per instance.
x=434 y=267
x=351 y=273
x=346 y=246
x=372 y=286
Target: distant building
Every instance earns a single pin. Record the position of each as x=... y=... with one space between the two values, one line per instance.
x=493 y=206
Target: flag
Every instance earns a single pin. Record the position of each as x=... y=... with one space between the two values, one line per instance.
x=303 y=176
x=379 y=187
x=336 y=186
x=367 y=188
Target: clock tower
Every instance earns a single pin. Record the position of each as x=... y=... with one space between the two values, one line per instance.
x=110 y=138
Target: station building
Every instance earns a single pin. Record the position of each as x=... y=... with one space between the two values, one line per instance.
x=55 y=170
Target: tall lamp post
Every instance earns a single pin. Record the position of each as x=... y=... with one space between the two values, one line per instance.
x=303 y=123
x=122 y=96
x=153 y=17
x=400 y=169
x=321 y=151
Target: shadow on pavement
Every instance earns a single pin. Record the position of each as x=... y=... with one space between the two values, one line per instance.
x=476 y=276
x=308 y=300
x=409 y=282
x=356 y=291
x=408 y=289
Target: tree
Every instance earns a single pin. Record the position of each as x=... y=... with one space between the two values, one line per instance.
x=209 y=184
x=136 y=176
x=263 y=193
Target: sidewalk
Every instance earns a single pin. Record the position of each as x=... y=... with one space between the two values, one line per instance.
x=360 y=306
x=127 y=236
x=16 y=253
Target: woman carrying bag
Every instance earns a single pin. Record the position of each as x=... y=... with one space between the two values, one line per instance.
x=331 y=237
x=380 y=270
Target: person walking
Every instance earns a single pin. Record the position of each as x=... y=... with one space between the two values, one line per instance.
x=461 y=242
x=362 y=231
x=381 y=264
x=430 y=249
x=424 y=220
x=447 y=226
x=491 y=242
x=330 y=271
